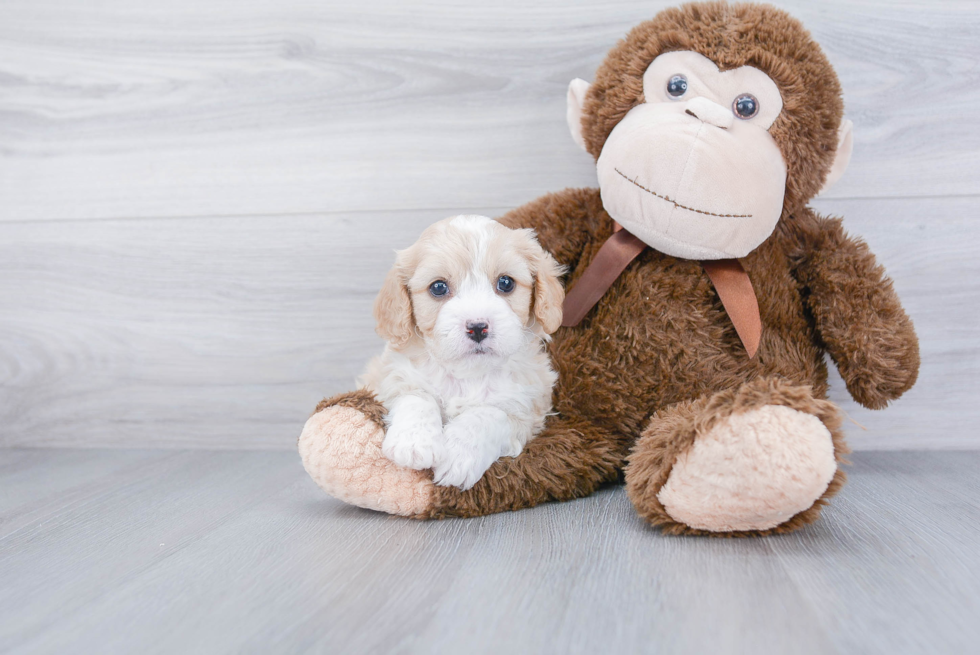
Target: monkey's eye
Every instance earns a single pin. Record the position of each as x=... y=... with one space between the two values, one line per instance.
x=505 y=284
x=677 y=86
x=439 y=288
x=746 y=106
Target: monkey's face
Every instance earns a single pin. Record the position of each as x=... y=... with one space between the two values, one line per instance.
x=693 y=171
x=697 y=165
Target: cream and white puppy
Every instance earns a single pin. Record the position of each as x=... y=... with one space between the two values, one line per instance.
x=465 y=376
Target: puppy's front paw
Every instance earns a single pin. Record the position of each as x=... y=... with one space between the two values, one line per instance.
x=464 y=460
x=461 y=471
x=414 y=444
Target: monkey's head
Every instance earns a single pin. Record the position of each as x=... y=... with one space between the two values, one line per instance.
x=708 y=124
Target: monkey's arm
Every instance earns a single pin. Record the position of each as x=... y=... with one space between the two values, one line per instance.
x=566 y=222
x=857 y=313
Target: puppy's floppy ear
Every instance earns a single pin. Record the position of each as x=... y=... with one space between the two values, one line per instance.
x=548 y=291
x=393 y=306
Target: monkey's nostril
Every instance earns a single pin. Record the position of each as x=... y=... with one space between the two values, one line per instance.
x=710 y=113
x=477 y=331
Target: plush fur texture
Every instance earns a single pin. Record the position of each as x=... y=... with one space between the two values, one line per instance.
x=657 y=365
x=672 y=435
x=753 y=471
x=715 y=188
x=733 y=35
x=349 y=465
x=456 y=400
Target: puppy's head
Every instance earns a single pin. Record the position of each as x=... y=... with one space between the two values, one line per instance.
x=470 y=287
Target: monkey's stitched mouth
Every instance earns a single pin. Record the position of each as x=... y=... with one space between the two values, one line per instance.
x=677 y=204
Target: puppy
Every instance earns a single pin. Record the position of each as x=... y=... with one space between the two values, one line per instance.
x=464 y=375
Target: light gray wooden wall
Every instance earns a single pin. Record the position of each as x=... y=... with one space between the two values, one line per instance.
x=199 y=198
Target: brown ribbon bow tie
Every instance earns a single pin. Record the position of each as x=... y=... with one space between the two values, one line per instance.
x=727 y=275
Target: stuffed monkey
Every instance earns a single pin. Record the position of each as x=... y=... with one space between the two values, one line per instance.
x=703 y=294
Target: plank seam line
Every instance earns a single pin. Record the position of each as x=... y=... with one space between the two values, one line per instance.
x=343 y=212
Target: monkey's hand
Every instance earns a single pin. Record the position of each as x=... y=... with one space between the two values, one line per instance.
x=857 y=312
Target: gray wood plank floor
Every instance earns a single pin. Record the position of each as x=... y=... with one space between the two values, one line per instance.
x=123 y=551
x=199 y=201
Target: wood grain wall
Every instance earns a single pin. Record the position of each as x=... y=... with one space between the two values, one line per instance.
x=199 y=198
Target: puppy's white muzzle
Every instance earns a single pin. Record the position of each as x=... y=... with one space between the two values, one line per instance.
x=477 y=321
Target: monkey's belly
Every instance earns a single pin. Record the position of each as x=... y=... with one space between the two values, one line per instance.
x=661 y=335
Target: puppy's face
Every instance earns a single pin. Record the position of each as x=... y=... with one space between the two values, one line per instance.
x=470 y=288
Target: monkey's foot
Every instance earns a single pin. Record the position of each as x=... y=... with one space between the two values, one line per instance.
x=762 y=458
x=751 y=471
x=341 y=450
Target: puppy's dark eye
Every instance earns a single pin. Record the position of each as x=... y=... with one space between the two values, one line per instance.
x=677 y=86
x=505 y=284
x=439 y=288
x=746 y=106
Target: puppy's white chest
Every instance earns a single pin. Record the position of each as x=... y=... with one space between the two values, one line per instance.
x=456 y=395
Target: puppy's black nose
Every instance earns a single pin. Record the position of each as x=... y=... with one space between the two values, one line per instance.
x=477 y=331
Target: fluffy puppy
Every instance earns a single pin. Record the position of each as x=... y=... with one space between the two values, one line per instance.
x=464 y=375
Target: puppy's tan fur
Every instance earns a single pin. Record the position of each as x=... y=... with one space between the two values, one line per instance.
x=442 y=252
x=457 y=401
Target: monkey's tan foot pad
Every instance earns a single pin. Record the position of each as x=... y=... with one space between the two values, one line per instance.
x=341 y=450
x=752 y=471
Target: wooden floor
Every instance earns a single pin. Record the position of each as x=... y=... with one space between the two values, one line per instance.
x=135 y=551
x=199 y=202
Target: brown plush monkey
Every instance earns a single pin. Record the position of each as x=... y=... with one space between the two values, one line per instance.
x=712 y=126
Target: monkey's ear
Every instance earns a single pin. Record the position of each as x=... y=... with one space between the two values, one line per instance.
x=845 y=146
x=577 y=89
